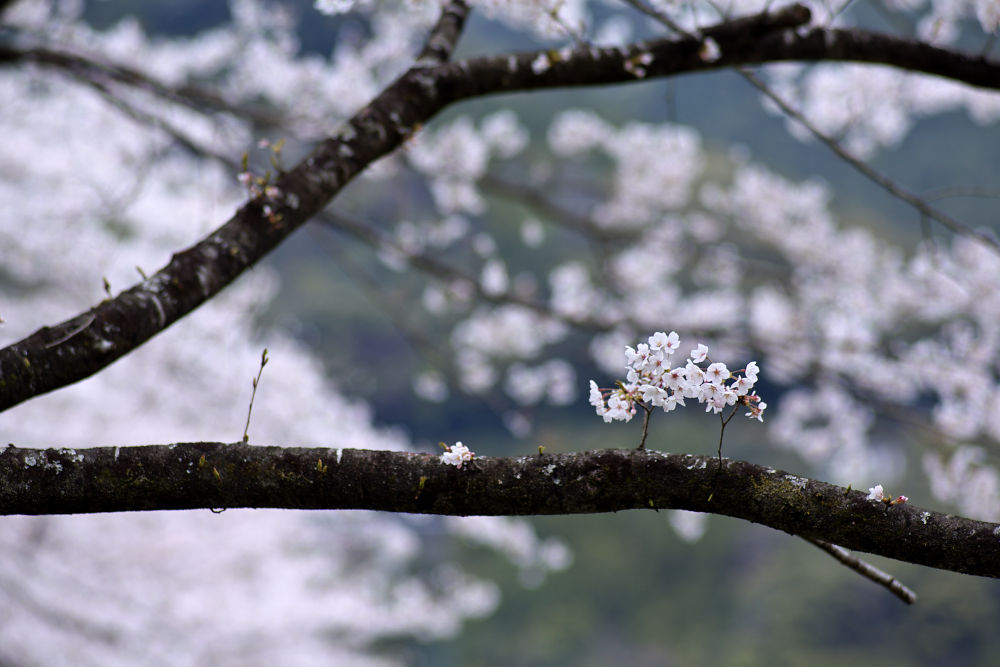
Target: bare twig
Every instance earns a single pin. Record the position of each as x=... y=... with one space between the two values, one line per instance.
x=91 y=70
x=152 y=120
x=645 y=424
x=866 y=570
x=440 y=270
x=253 y=394
x=560 y=215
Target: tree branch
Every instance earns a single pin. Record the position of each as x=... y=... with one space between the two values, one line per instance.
x=445 y=33
x=884 y=182
x=56 y=356
x=218 y=475
x=95 y=72
x=867 y=570
x=436 y=268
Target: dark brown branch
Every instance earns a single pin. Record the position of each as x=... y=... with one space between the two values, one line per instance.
x=444 y=35
x=56 y=356
x=668 y=57
x=217 y=475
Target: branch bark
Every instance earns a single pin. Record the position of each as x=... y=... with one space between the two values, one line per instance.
x=56 y=356
x=219 y=475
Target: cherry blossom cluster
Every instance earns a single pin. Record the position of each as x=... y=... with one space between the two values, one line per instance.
x=877 y=493
x=456 y=455
x=651 y=382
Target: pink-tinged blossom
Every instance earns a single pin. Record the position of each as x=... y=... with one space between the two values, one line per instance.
x=709 y=51
x=672 y=401
x=757 y=410
x=695 y=375
x=717 y=373
x=650 y=382
x=675 y=378
x=876 y=493
x=456 y=455
x=729 y=396
x=700 y=353
x=596 y=399
x=632 y=356
x=742 y=386
x=652 y=395
x=667 y=343
x=619 y=409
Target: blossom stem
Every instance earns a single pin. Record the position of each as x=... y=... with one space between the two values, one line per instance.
x=722 y=432
x=645 y=423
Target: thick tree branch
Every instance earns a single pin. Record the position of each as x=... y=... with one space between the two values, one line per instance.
x=68 y=352
x=217 y=475
x=445 y=33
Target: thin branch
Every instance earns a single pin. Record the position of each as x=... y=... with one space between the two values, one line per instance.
x=220 y=475
x=868 y=172
x=253 y=395
x=866 y=570
x=399 y=311
x=560 y=215
x=962 y=191
x=146 y=118
x=440 y=270
x=647 y=411
x=91 y=70
x=662 y=17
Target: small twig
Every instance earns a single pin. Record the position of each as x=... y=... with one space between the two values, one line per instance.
x=962 y=191
x=440 y=270
x=253 y=394
x=645 y=423
x=94 y=71
x=722 y=431
x=867 y=570
x=534 y=198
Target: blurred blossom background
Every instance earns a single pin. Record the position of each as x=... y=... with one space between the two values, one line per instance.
x=553 y=228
